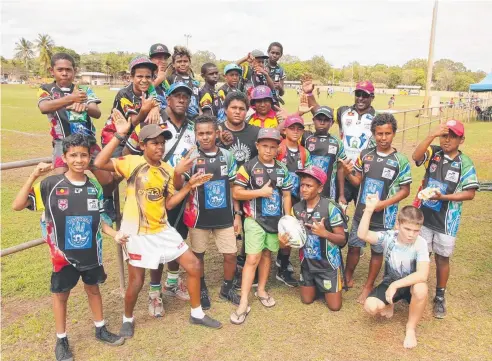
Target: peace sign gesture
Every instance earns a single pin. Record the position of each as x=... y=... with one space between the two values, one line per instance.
x=186 y=162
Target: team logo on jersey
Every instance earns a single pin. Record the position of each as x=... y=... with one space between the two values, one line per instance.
x=78 y=232
x=436 y=158
x=455 y=165
x=333 y=141
x=212 y=160
x=223 y=170
x=322 y=140
x=62 y=204
x=259 y=181
x=311 y=147
x=369 y=158
x=258 y=171
x=316 y=215
x=62 y=191
x=433 y=167
x=366 y=168
x=78 y=190
x=452 y=176
x=222 y=158
x=152 y=194
x=332 y=149
x=380 y=160
x=388 y=173
x=392 y=163
x=92 y=205
x=215 y=194
x=91 y=191
x=327 y=284
x=279 y=182
x=271 y=206
x=299 y=164
x=313 y=140
x=348 y=122
x=56 y=95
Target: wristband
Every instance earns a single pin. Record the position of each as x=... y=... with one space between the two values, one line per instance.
x=238 y=213
x=120 y=137
x=309 y=94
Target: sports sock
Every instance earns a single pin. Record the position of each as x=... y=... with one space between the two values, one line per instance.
x=127 y=319
x=61 y=335
x=197 y=312
x=440 y=292
x=155 y=287
x=203 y=285
x=99 y=323
x=284 y=261
x=226 y=286
x=172 y=277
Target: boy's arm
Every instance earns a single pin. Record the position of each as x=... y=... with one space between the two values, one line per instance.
x=94 y=111
x=195 y=181
x=400 y=195
x=50 y=106
x=363 y=231
x=244 y=59
x=22 y=200
x=240 y=193
x=419 y=153
x=308 y=88
x=466 y=195
x=341 y=185
x=287 y=200
x=146 y=107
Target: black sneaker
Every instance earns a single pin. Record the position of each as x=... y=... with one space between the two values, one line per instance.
x=103 y=335
x=439 y=307
x=285 y=276
x=204 y=299
x=62 y=350
x=127 y=329
x=230 y=296
x=205 y=321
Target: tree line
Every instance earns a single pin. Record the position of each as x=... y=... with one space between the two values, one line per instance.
x=32 y=59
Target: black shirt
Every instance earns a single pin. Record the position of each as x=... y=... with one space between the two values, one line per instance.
x=243 y=146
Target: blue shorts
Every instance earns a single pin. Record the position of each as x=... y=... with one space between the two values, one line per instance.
x=355 y=241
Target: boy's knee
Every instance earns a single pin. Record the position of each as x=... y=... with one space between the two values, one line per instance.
x=334 y=308
x=230 y=257
x=253 y=259
x=61 y=297
x=306 y=300
x=194 y=267
x=92 y=290
x=420 y=291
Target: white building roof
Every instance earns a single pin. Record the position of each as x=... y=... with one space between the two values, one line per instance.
x=92 y=73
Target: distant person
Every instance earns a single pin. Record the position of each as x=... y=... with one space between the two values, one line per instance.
x=391 y=102
x=232 y=75
x=318 y=92
x=159 y=54
x=209 y=99
x=276 y=72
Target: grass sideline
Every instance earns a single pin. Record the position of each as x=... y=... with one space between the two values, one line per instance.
x=291 y=328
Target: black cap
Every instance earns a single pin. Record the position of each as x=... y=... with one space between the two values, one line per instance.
x=159 y=49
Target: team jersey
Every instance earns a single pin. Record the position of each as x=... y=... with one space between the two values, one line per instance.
x=243 y=146
x=355 y=130
x=450 y=176
x=400 y=258
x=319 y=254
x=210 y=206
x=186 y=142
x=65 y=122
x=147 y=189
x=251 y=80
x=73 y=215
x=210 y=100
x=277 y=74
x=294 y=160
x=384 y=175
x=326 y=151
x=266 y=211
x=226 y=89
x=269 y=121
x=193 y=108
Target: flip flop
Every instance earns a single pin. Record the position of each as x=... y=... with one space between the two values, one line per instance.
x=239 y=319
x=268 y=301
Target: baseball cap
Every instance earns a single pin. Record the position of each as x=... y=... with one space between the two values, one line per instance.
x=293 y=119
x=315 y=172
x=179 y=85
x=142 y=59
x=258 y=54
x=151 y=131
x=261 y=92
x=232 y=66
x=159 y=49
x=456 y=127
x=365 y=86
x=324 y=110
x=269 y=133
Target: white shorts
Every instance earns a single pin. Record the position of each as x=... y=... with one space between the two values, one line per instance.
x=439 y=243
x=149 y=250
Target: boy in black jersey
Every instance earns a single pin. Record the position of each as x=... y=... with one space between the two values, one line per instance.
x=74 y=220
x=232 y=75
x=210 y=208
x=210 y=101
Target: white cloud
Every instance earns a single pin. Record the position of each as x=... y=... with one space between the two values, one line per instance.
x=369 y=32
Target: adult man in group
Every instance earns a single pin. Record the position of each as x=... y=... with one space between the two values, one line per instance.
x=183 y=139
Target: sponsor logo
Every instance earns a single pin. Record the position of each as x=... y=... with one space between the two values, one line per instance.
x=135 y=257
x=269 y=170
x=392 y=163
x=332 y=149
x=433 y=167
x=388 y=173
x=369 y=158
x=62 y=191
x=78 y=232
x=63 y=204
x=223 y=170
x=322 y=140
x=91 y=191
x=367 y=167
x=222 y=158
x=311 y=147
x=279 y=182
x=327 y=284
x=92 y=205
x=333 y=141
x=78 y=190
x=455 y=165
x=152 y=194
x=348 y=122
x=212 y=160
x=452 y=176
x=380 y=160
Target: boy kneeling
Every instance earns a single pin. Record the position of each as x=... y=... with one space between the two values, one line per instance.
x=406 y=266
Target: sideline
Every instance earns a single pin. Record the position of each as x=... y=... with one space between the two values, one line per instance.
x=25 y=133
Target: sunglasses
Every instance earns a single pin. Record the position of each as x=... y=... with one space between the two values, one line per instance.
x=361 y=93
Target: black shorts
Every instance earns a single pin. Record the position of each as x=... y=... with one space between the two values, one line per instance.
x=328 y=281
x=68 y=277
x=172 y=218
x=350 y=192
x=401 y=294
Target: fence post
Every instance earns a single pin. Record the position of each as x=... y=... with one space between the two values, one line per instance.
x=430 y=122
x=418 y=127
x=404 y=129
x=121 y=265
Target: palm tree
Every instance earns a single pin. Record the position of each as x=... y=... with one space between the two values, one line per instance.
x=44 y=44
x=24 y=51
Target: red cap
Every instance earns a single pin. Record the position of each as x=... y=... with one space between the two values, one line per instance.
x=456 y=127
x=365 y=86
x=293 y=119
x=315 y=172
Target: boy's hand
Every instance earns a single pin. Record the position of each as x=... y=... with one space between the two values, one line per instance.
x=237 y=224
x=121 y=238
x=260 y=70
x=372 y=201
x=303 y=105
x=186 y=162
x=390 y=292
x=317 y=228
x=154 y=116
x=199 y=179
x=266 y=191
x=250 y=58
x=225 y=136
x=307 y=84
x=147 y=103
x=437 y=195
x=347 y=166
x=161 y=70
x=282 y=114
x=78 y=95
x=121 y=124
x=42 y=169
x=442 y=129
x=283 y=240
x=77 y=107
x=277 y=85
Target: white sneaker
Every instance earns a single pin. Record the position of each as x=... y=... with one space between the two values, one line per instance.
x=156 y=309
x=177 y=290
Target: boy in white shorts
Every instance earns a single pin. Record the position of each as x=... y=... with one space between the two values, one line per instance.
x=150 y=193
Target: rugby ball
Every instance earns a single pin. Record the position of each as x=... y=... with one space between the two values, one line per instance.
x=295 y=230
x=427 y=193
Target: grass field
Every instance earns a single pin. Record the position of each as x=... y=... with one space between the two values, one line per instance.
x=290 y=331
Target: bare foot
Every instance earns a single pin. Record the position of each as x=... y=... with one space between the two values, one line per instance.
x=388 y=311
x=410 y=339
x=363 y=295
x=350 y=283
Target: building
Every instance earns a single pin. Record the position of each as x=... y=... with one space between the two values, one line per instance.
x=93 y=78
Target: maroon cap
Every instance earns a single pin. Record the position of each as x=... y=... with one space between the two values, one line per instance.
x=293 y=119
x=365 y=86
x=269 y=133
x=315 y=172
x=456 y=127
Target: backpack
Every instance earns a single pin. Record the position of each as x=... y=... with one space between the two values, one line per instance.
x=282 y=152
x=345 y=220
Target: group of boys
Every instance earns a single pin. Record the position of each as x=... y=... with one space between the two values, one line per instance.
x=196 y=165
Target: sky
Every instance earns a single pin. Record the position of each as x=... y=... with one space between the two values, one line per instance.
x=369 y=32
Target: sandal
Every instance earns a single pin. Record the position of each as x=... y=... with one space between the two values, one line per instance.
x=239 y=319
x=268 y=301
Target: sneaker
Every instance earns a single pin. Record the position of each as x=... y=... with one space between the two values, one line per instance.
x=108 y=205
x=205 y=299
x=127 y=329
x=177 y=290
x=62 y=350
x=230 y=296
x=205 y=321
x=439 y=307
x=290 y=268
x=156 y=309
x=103 y=335
x=285 y=276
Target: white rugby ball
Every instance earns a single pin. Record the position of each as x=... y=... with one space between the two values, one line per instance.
x=295 y=230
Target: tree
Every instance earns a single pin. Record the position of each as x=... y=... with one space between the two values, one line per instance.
x=73 y=53
x=415 y=64
x=394 y=77
x=379 y=77
x=462 y=81
x=319 y=67
x=289 y=59
x=445 y=79
x=199 y=58
x=92 y=62
x=448 y=64
x=408 y=76
x=24 y=52
x=420 y=77
x=294 y=71
x=44 y=45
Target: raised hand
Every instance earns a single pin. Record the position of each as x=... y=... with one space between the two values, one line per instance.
x=347 y=166
x=282 y=114
x=78 y=95
x=225 y=136
x=303 y=105
x=147 y=103
x=307 y=84
x=42 y=169
x=372 y=202
x=121 y=124
x=154 y=116
x=198 y=179
x=186 y=162
x=441 y=129
x=317 y=228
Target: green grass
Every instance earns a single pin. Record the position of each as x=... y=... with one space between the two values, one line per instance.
x=290 y=331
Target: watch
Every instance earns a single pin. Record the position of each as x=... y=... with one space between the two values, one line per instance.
x=238 y=213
